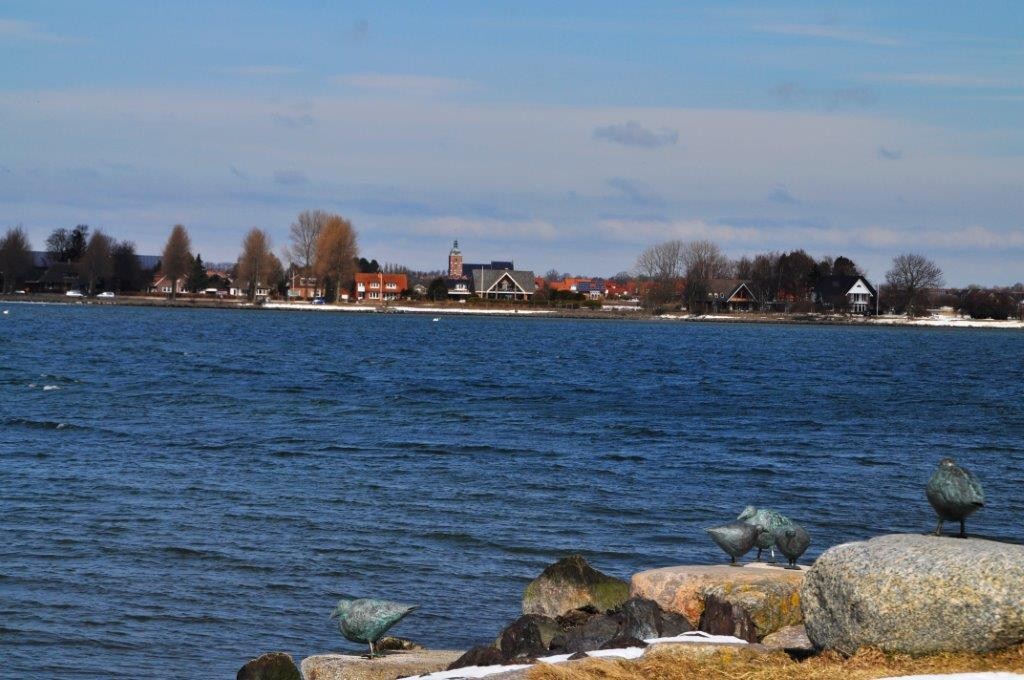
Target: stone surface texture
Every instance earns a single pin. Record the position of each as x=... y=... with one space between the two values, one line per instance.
x=569 y=584
x=768 y=596
x=789 y=639
x=916 y=594
x=272 y=666
x=390 y=666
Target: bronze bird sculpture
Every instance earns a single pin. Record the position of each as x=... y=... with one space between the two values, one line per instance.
x=366 y=620
x=770 y=522
x=792 y=541
x=735 y=538
x=955 y=493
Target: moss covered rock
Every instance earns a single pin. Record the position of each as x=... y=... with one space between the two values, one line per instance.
x=571 y=583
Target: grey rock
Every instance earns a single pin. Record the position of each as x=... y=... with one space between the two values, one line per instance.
x=386 y=666
x=792 y=639
x=529 y=636
x=272 y=666
x=593 y=634
x=481 y=655
x=916 y=594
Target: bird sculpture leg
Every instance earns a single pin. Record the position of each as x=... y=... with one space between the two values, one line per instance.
x=963 y=529
x=758 y=559
x=938 y=529
x=371 y=649
x=773 y=560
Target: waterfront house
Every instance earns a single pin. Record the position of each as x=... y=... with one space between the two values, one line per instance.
x=57 y=278
x=302 y=284
x=380 y=287
x=731 y=295
x=497 y=279
x=503 y=284
x=845 y=293
x=162 y=284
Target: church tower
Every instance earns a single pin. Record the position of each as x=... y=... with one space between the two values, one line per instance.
x=455 y=262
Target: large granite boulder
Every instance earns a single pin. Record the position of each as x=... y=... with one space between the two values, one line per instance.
x=766 y=598
x=916 y=594
x=390 y=666
x=272 y=666
x=571 y=583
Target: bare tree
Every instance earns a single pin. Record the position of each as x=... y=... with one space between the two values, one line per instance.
x=177 y=257
x=58 y=245
x=304 y=232
x=257 y=265
x=336 y=253
x=661 y=268
x=702 y=261
x=96 y=262
x=15 y=258
x=910 y=280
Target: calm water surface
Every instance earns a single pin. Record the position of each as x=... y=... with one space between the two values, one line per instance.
x=181 y=490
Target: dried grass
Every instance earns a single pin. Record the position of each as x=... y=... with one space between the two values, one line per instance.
x=674 y=664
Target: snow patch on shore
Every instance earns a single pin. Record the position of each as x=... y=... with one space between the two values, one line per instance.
x=401 y=308
x=697 y=637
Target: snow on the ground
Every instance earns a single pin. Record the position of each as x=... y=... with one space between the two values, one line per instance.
x=698 y=637
x=947 y=322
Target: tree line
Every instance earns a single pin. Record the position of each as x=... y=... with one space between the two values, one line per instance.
x=684 y=270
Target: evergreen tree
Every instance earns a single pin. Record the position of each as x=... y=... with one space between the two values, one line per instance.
x=197 y=276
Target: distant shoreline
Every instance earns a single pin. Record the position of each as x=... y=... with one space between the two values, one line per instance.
x=616 y=313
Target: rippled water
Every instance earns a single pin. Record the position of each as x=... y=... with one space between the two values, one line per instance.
x=182 y=490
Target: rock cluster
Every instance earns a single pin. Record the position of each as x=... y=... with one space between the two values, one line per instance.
x=272 y=666
x=916 y=594
x=748 y=603
x=580 y=630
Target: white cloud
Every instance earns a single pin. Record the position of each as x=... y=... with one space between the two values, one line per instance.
x=827 y=32
x=259 y=71
x=952 y=80
x=14 y=29
x=452 y=226
x=403 y=83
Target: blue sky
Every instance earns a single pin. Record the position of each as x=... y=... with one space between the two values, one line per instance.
x=565 y=137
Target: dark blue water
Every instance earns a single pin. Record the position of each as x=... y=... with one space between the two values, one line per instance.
x=182 y=490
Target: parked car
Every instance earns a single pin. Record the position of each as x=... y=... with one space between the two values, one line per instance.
x=19 y=292
x=74 y=293
x=318 y=301
x=105 y=294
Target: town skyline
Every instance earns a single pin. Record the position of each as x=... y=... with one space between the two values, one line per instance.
x=593 y=133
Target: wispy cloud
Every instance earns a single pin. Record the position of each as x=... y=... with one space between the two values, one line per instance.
x=636 y=192
x=15 y=29
x=793 y=93
x=487 y=228
x=779 y=194
x=830 y=32
x=290 y=178
x=238 y=173
x=944 y=80
x=632 y=133
x=259 y=71
x=403 y=83
x=301 y=120
x=889 y=154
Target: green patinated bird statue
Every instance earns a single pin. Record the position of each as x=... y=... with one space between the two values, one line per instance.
x=366 y=620
x=792 y=541
x=770 y=522
x=735 y=538
x=955 y=493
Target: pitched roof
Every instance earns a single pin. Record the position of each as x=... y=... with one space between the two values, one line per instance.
x=726 y=288
x=485 y=279
x=838 y=284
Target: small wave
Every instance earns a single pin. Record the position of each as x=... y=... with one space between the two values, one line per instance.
x=47 y=388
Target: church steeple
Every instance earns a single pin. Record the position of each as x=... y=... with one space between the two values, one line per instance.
x=455 y=261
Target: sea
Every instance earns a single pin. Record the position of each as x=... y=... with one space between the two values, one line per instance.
x=182 y=490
